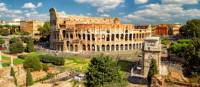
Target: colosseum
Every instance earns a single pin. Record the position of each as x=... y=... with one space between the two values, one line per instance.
x=94 y=34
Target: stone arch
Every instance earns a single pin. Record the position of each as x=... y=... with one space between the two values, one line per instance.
x=76 y=48
x=71 y=47
x=88 y=36
x=130 y=46
x=121 y=47
x=117 y=36
x=103 y=47
x=108 y=47
x=93 y=47
x=112 y=47
x=117 y=47
x=93 y=37
x=113 y=37
x=133 y=36
x=84 y=47
x=134 y=46
x=98 y=48
x=83 y=36
x=88 y=47
x=108 y=38
x=130 y=37
x=126 y=46
x=71 y=35
x=126 y=37
x=122 y=36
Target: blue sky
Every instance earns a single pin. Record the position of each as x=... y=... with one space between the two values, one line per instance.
x=130 y=11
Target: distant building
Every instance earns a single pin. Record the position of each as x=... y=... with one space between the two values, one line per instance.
x=161 y=30
x=31 y=27
x=175 y=29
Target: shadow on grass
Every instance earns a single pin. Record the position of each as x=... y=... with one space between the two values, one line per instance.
x=137 y=80
x=126 y=65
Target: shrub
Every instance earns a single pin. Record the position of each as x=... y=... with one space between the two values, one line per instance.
x=45 y=67
x=52 y=59
x=32 y=62
x=16 y=47
x=22 y=56
x=30 y=46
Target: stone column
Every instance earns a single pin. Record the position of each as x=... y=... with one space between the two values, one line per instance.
x=11 y=61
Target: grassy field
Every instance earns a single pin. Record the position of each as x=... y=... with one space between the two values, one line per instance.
x=6 y=61
x=77 y=64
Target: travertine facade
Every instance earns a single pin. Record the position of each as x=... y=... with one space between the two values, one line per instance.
x=151 y=50
x=82 y=34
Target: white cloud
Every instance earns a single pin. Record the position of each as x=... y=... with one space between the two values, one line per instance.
x=3 y=7
x=141 y=1
x=30 y=5
x=102 y=5
x=163 y=13
x=39 y=4
x=179 y=1
x=18 y=14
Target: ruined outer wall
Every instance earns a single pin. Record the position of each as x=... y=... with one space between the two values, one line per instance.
x=79 y=34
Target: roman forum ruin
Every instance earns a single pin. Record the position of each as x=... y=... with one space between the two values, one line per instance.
x=94 y=34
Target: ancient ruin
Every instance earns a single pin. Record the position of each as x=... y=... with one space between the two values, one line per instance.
x=94 y=34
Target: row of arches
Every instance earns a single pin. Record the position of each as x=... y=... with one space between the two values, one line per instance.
x=107 y=37
x=114 y=47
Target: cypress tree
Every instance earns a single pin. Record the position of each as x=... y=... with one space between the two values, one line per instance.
x=12 y=73
x=29 y=79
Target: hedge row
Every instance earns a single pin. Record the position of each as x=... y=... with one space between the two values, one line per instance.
x=52 y=59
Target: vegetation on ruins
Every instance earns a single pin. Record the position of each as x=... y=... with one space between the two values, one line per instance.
x=103 y=72
x=12 y=73
x=29 y=79
x=181 y=47
x=4 y=32
x=16 y=47
x=189 y=48
x=52 y=59
x=152 y=70
x=32 y=62
x=165 y=41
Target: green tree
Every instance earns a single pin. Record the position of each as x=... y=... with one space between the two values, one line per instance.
x=12 y=73
x=29 y=79
x=32 y=62
x=152 y=70
x=44 y=30
x=102 y=71
x=191 y=29
x=30 y=46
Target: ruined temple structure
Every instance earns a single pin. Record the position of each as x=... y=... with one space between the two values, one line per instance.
x=94 y=34
x=151 y=50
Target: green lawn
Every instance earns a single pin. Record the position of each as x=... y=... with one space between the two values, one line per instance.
x=77 y=64
x=6 y=61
